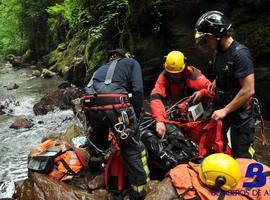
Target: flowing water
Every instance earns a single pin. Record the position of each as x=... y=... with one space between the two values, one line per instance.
x=16 y=144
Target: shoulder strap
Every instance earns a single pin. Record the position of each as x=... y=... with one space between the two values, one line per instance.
x=110 y=72
x=91 y=81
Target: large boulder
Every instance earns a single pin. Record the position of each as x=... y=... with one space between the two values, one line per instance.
x=21 y=123
x=16 y=61
x=58 y=99
x=47 y=73
x=162 y=190
x=40 y=186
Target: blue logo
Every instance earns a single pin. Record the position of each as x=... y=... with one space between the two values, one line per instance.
x=255 y=170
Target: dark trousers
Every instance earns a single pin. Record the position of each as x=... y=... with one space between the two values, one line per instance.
x=132 y=149
x=242 y=139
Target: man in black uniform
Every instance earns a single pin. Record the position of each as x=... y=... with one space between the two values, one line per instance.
x=234 y=83
x=108 y=106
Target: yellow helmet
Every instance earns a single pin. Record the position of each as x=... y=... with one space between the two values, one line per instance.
x=221 y=171
x=175 y=62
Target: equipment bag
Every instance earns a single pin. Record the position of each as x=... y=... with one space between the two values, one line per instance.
x=207 y=134
x=57 y=159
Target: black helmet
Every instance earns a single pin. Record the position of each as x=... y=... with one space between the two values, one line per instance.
x=212 y=23
x=122 y=52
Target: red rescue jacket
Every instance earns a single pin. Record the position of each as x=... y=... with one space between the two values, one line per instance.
x=193 y=81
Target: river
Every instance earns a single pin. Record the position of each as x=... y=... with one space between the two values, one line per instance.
x=16 y=144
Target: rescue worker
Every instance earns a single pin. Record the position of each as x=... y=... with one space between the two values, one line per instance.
x=107 y=106
x=234 y=83
x=175 y=82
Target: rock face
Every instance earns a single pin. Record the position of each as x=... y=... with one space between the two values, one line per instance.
x=58 y=99
x=21 y=123
x=68 y=61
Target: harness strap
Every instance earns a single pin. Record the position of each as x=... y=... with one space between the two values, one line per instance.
x=67 y=167
x=108 y=107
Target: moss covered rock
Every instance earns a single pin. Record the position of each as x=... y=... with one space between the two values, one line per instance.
x=68 y=61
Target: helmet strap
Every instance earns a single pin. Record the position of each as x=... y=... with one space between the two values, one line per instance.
x=219 y=47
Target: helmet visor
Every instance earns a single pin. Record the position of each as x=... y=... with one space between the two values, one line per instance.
x=199 y=36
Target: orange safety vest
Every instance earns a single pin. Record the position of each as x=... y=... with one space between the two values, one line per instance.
x=66 y=163
x=185 y=179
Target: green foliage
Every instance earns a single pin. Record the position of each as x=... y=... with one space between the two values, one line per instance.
x=69 y=14
x=106 y=13
x=10 y=32
x=34 y=26
x=77 y=13
x=158 y=15
x=57 y=22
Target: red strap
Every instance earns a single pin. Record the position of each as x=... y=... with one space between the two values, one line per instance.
x=105 y=95
x=108 y=107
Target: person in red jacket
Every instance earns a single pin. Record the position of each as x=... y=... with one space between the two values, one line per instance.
x=175 y=82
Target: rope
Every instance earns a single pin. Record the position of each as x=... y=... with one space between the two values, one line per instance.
x=168 y=111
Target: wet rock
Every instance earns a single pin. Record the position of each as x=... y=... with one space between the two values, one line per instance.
x=12 y=86
x=7 y=103
x=36 y=73
x=58 y=99
x=39 y=186
x=47 y=73
x=7 y=189
x=21 y=123
x=162 y=190
x=16 y=61
x=2 y=112
x=64 y=85
x=97 y=182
